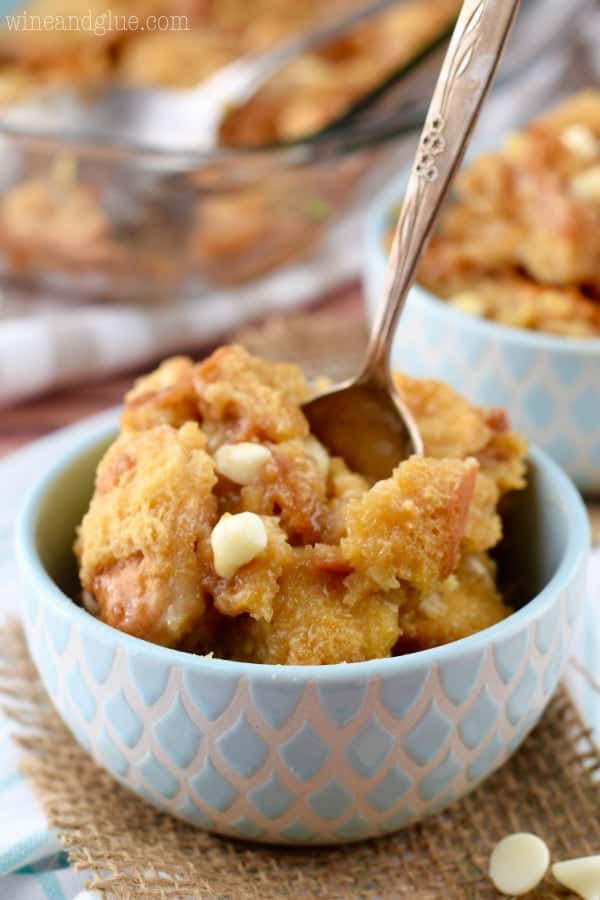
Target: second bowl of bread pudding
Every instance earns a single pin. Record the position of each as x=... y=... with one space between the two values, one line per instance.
x=256 y=639
x=507 y=308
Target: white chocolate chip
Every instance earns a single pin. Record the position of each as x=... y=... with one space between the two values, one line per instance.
x=432 y=605
x=318 y=454
x=237 y=540
x=580 y=140
x=468 y=302
x=90 y=603
x=582 y=876
x=241 y=462
x=476 y=566
x=586 y=184
x=518 y=863
x=451 y=583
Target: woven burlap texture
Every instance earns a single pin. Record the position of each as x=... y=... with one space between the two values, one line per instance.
x=134 y=852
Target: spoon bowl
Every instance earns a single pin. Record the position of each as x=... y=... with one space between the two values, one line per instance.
x=363 y=419
x=367 y=423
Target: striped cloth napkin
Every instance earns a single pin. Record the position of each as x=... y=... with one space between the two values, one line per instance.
x=59 y=345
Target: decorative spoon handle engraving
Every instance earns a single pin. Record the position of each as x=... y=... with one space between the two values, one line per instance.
x=465 y=78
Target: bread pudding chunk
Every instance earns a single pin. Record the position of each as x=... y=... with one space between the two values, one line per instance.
x=520 y=242
x=220 y=524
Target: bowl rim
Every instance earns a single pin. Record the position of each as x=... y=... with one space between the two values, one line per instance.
x=376 y=223
x=34 y=575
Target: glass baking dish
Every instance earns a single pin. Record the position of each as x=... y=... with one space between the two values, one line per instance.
x=129 y=222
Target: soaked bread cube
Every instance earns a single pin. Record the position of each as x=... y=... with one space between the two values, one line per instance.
x=243 y=398
x=292 y=486
x=466 y=602
x=313 y=625
x=520 y=242
x=165 y=397
x=143 y=544
x=450 y=427
x=410 y=526
x=253 y=587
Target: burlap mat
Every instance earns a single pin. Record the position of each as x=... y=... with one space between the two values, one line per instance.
x=134 y=852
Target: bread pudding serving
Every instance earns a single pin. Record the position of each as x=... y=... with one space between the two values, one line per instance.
x=520 y=242
x=219 y=524
x=179 y=43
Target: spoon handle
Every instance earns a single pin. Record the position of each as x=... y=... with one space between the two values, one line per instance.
x=464 y=80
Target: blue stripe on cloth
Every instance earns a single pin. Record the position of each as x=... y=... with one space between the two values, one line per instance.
x=52 y=863
x=18 y=854
x=51 y=886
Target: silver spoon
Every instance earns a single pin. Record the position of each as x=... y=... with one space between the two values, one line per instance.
x=364 y=419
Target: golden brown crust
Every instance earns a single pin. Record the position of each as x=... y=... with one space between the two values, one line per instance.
x=409 y=527
x=291 y=487
x=345 y=564
x=312 y=623
x=520 y=243
x=465 y=603
x=164 y=397
x=243 y=398
x=143 y=544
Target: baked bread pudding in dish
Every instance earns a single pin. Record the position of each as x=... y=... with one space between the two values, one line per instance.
x=107 y=226
x=520 y=242
x=220 y=524
x=73 y=215
x=179 y=43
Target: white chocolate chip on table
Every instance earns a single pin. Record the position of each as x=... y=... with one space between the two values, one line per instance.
x=242 y=462
x=518 y=863
x=580 y=875
x=237 y=540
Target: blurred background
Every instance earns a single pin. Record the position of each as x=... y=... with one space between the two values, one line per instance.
x=122 y=240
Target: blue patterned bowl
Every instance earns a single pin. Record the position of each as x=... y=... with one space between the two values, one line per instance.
x=550 y=385
x=301 y=754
